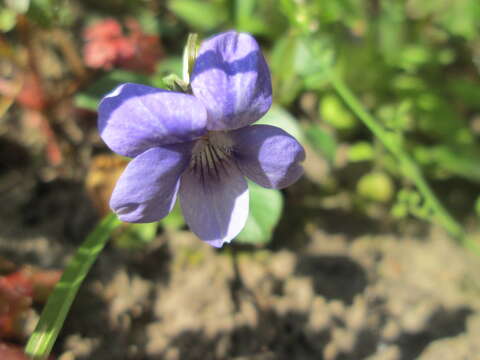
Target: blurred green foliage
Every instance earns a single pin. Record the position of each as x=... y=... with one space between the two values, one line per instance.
x=414 y=64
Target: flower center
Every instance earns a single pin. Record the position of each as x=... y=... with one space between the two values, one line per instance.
x=212 y=154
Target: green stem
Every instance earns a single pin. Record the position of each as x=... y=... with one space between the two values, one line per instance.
x=391 y=142
x=59 y=302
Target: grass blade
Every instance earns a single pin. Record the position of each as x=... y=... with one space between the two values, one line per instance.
x=55 y=311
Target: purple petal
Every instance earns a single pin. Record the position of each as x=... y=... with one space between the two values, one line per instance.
x=232 y=80
x=147 y=189
x=215 y=208
x=133 y=118
x=268 y=155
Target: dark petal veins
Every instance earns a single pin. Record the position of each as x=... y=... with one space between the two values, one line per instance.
x=215 y=208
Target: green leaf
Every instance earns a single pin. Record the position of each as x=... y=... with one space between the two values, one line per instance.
x=48 y=13
x=454 y=160
x=248 y=17
x=169 y=65
x=314 y=55
x=287 y=83
x=361 y=151
x=149 y=21
x=90 y=98
x=200 y=15
x=462 y=18
x=334 y=112
x=312 y=60
x=266 y=207
x=8 y=19
x=376 y=186
x=244 y=10
x=466 y=89
x=55 y=311
x=414 y=56
x=322 y=141
x=136 y=236
x=299 y=61
x=174 y=83
x=392 y=30
x=279 y=117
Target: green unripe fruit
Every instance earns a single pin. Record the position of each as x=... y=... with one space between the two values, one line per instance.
x=376 y=186
x=334 y=113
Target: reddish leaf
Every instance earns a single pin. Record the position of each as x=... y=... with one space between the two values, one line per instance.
x=107 y=47
x=11 y=352
x=32 y=96
x=17 y=292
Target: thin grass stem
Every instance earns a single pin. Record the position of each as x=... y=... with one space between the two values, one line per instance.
x=409 y=167
x=59 y=302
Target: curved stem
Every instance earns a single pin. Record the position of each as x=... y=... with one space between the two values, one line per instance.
x=411 y=170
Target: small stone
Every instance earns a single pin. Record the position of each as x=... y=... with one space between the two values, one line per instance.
x=68 y=355
x=356 y=315
x=337 y=308
x=391 y=352
x=391 y=331
x=344 y=340
x=301 y=290
x=283 y=264
x=330 y=351
x=319 y=319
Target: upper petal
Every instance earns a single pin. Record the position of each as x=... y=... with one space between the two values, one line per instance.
x=268 y=155
x=215 y=208
x=133 y=118
x=232 y=80
x=147 y=189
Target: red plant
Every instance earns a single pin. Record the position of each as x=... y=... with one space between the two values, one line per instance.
x=31 y=95
x=11 y=352
x=17 y=293
x=107 y=46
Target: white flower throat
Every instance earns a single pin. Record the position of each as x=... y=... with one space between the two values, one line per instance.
x=212 y=154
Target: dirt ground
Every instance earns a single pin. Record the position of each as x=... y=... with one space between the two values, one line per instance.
x=326 y=292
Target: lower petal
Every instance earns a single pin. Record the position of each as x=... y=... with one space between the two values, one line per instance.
x=216 y=208
x=147 y=189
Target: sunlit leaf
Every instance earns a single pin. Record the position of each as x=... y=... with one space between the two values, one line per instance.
x=198 y=14
x=265 y=209
x=278 y=116
x=322 y=141
x=136 y=236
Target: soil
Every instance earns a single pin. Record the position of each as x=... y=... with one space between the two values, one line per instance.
x=319 y=293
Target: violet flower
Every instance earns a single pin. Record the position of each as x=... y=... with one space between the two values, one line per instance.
x=200 y=146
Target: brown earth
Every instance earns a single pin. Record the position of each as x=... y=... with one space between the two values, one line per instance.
x=332 y=296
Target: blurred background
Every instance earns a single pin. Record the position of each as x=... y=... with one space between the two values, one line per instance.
x=348 y=263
